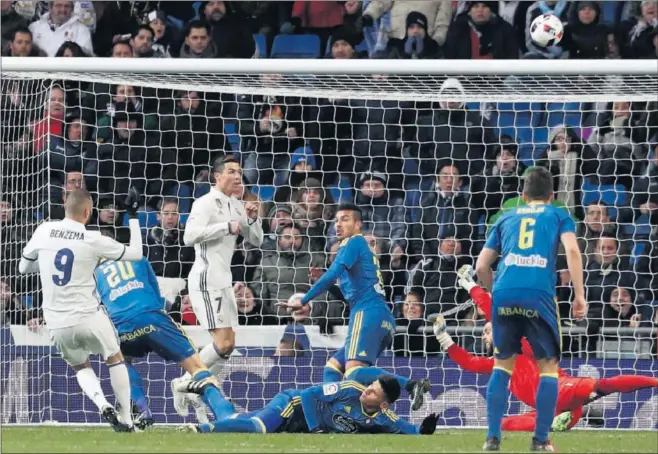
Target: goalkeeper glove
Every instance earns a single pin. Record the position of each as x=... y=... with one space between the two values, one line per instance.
x=428 y=426
x=440 y=332
x=132 y=203
x=465 y=276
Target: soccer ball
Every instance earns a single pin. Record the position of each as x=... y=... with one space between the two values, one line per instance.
x=546 y=30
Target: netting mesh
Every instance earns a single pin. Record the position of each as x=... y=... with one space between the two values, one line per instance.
x=431 y=160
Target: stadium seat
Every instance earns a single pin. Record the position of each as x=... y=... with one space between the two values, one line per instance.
x=296 y=46
x=264 y=192
x=185 y=197
x=638 y=250
x=261 y=45
x=609 y=12
x=568 y=113
x=147 y=219
x=232 y=135
x=612 y=195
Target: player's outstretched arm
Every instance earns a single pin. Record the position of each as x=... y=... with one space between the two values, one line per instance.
x=575 y=265
x=481 y=298
x=477 y=364
x=29 y=262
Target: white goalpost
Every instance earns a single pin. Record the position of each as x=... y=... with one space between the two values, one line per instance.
x=432 y=150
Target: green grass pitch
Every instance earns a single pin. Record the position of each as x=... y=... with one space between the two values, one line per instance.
x=157 y=440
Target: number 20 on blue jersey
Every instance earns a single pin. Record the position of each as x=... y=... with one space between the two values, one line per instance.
x=117 y=272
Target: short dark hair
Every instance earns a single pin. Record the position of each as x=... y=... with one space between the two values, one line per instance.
x=122 y=42
x=391 y=387
x=23 y=30
x=196 y=24
x=538 y=184
x=146 y=27
x=358 y=214
x=167 y=201
x=220 y=163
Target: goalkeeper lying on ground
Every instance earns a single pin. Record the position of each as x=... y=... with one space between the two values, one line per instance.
x=339 y=407
x=573 y=393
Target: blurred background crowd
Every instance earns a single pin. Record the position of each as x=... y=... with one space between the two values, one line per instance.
x=429 y=177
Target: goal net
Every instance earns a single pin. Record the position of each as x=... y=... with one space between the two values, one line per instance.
x=432 y=152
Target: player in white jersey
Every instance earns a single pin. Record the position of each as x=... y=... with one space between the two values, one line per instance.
x=66 y=254
x=215 y=221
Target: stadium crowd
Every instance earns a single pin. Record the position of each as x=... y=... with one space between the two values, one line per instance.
x=429 y=177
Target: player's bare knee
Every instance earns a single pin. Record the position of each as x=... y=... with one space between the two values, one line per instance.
x=548 y=366
x=114 y=359
x=79 y=367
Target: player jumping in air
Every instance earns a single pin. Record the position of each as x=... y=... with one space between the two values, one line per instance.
x=573 y=393
x=131 y=296
x=371 y=326
x=526 y=239
x=338 y=407
x=66 y=255
x=215 y=222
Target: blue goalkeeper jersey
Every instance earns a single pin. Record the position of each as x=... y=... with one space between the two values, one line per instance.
x=128 y=289
x=356 y=269
x=527 y=239
x=335 y=407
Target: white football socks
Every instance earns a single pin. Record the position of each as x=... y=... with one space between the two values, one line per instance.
x=121 y=386
x=91 y=386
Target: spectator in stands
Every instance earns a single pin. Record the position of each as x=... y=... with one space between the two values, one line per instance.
x=500 y=181
x=271 y=128
x=624 y=307
x=142 y=42
x=122 y=49
x=617 y=141
x=342 y=45
x=115 y=21
x=557 y=8
x=453 y=132
x=229 y=33
x=110 y=218
x=164 y=243
x=198 y=42
x=131 y=158
x=20 y=45
x=60 y=25
x=585 y=36
x=249 y=308
x=54 y=198
x=12 y=310
x=446 y=212
x=481 y=34
x=565 y=144
x=70 y=49
x=52 y=123
x=636 y=36
x=644 y=194
x=278 y=216
x=437 y=12
x=68 y=151
x=417 y=44
x=166 y=36
x=285 y=271
x=15 y=231
x=197 y=134
x=597 y=222
x=313 y=210
x=412 y=316
x=605 y=269
x=111 y=96
x=382 y=213
x=437 y=274
x=289 y=346
x=11 y=21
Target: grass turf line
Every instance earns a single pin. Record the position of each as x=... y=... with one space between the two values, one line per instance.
x=161 y=440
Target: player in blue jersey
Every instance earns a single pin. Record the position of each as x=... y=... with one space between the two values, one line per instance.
x=339 y=407
x=527 y=239
x=371 y=325
x=131 y=295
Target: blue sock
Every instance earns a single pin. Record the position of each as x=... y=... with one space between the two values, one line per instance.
x=545 y=404
x=238 y=425
x=497 y=397
x=137 y=393
x=330 y=374
x=220 y=407
x=370 y=374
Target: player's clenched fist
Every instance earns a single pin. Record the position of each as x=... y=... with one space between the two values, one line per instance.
x=251 y=209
